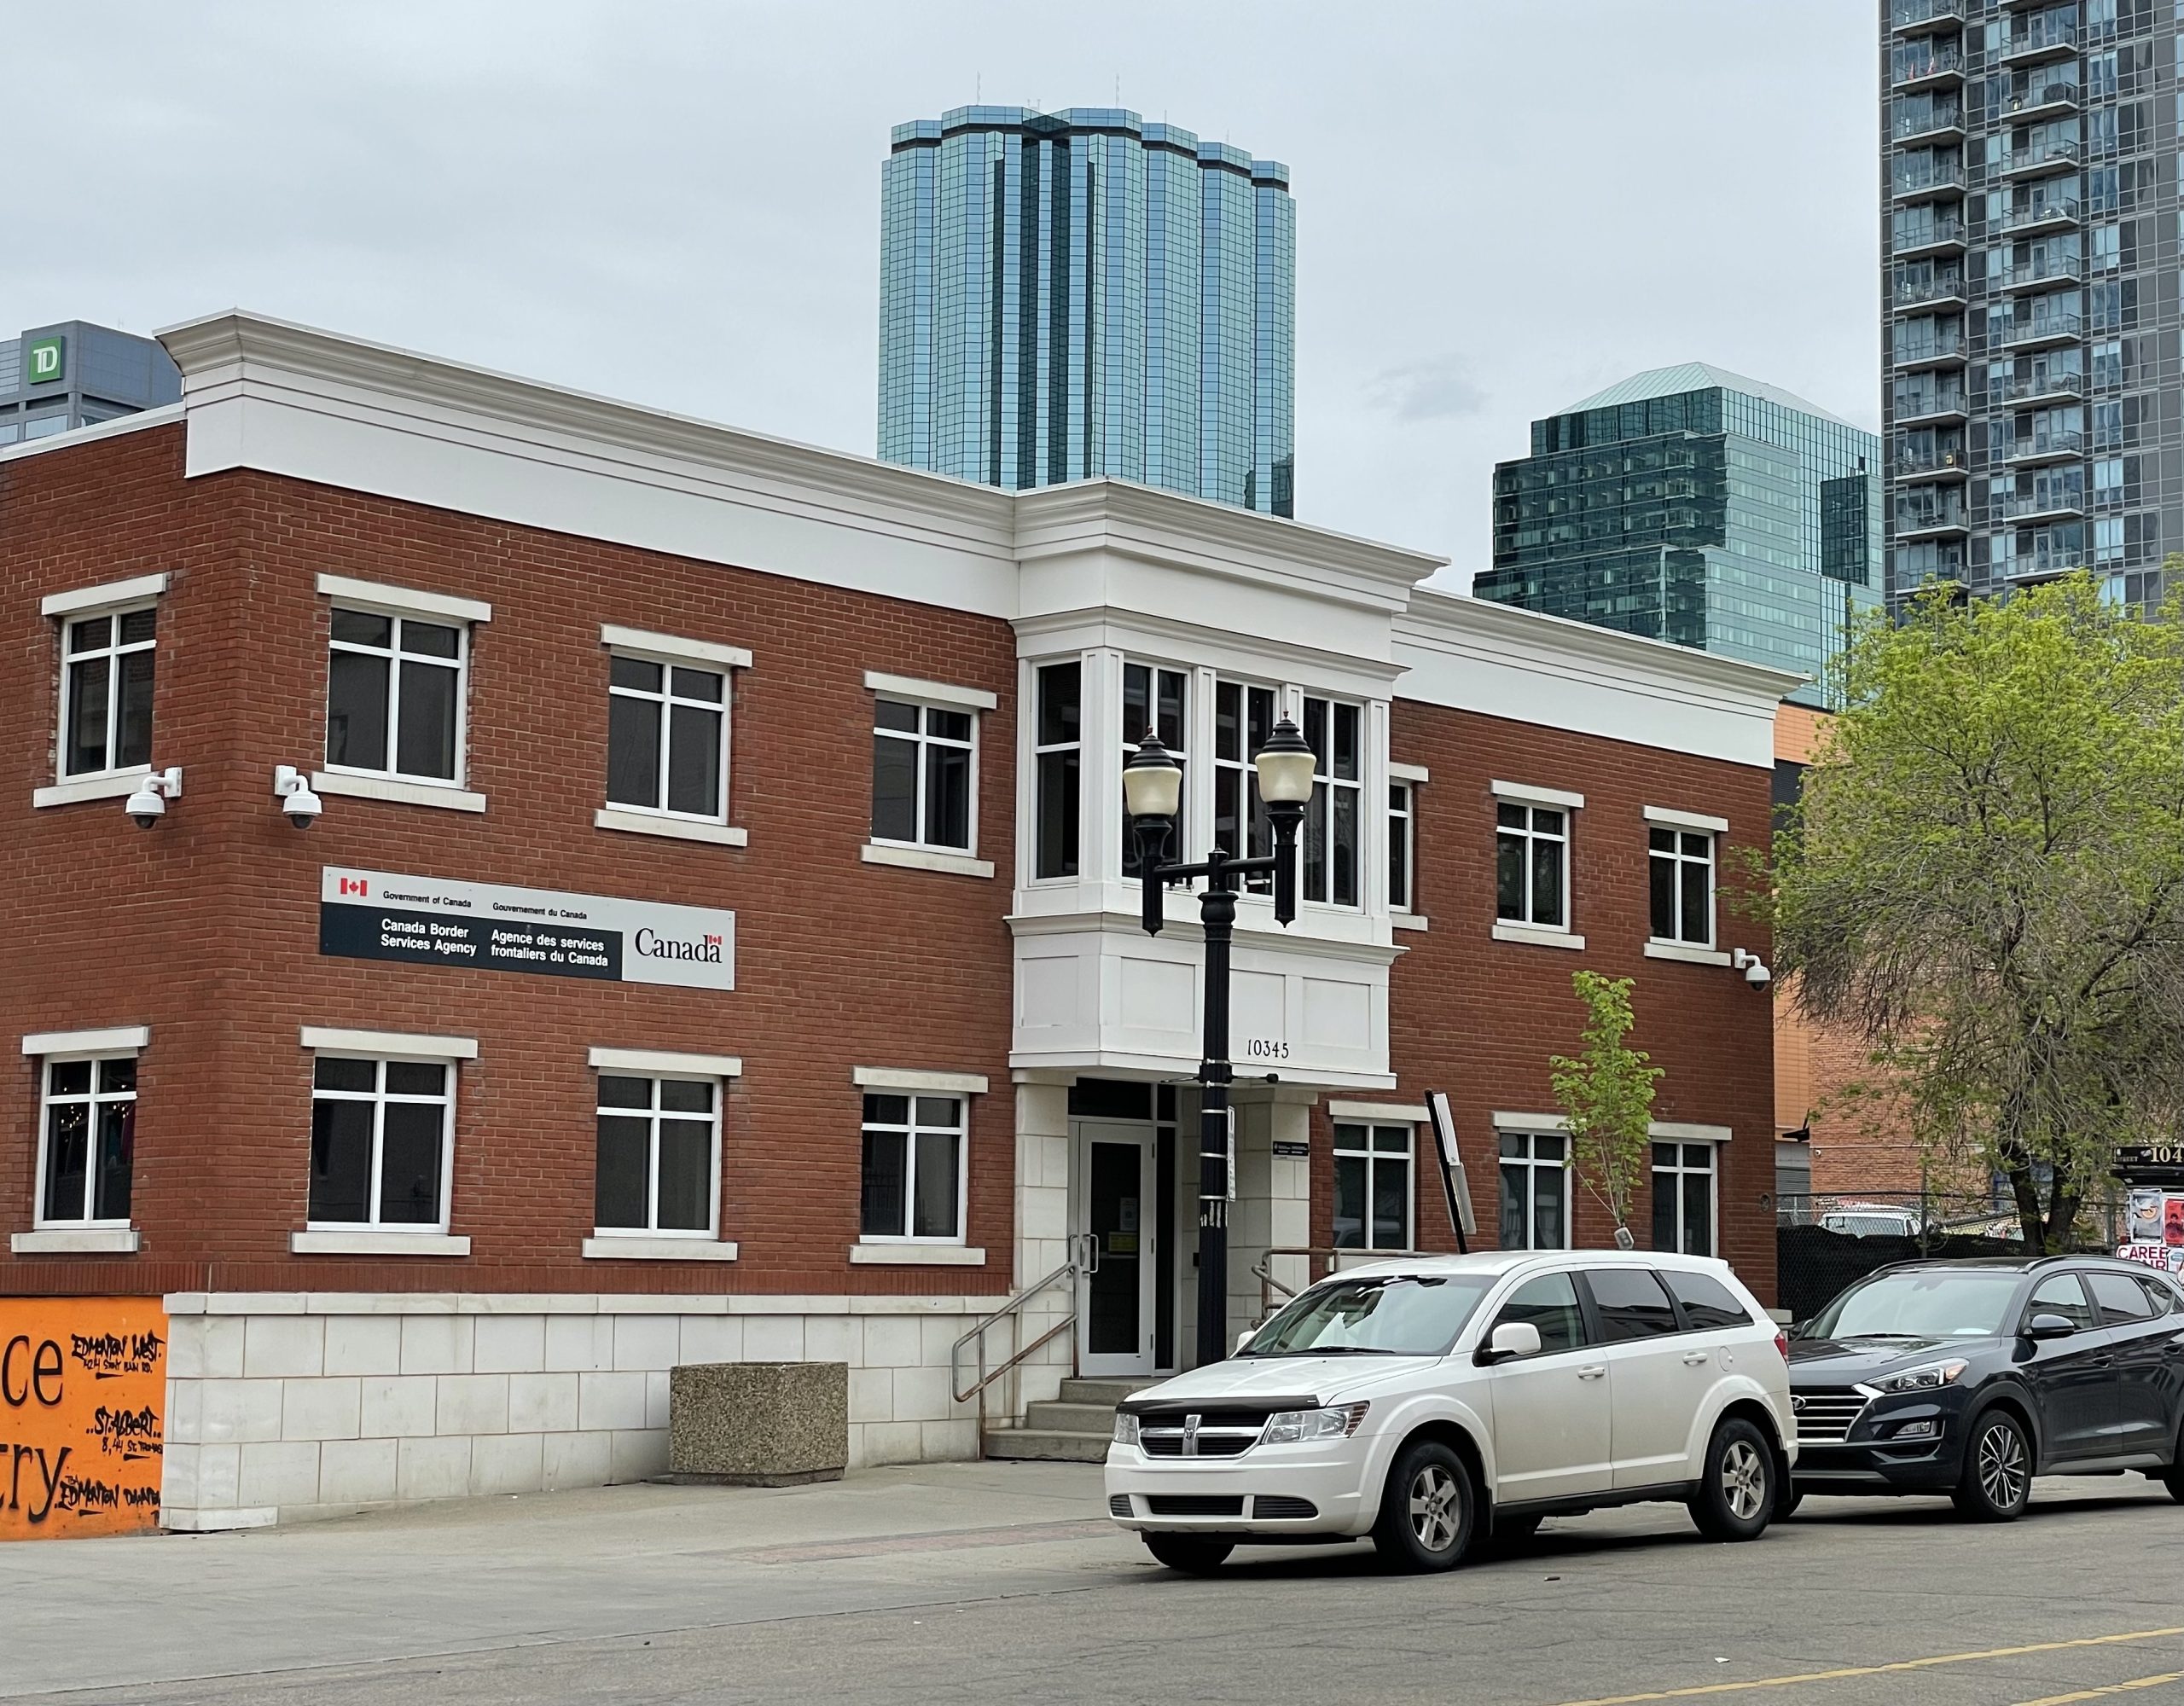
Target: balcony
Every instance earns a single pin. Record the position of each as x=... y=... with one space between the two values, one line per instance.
x=2040 y=331
x=2058 y=154
x=2048 y=554
x=1921 y=17
x=1918 y=179
x=1945 y=290
x=2048 y=445
x=2029 y=390
x=2045 y=273
x=1948 y=351
x=2054 y=93
x=1931 y=466
x=1942 y=235
x=2043 y=214
x=2047 y=37
x=2046 y=502
x=1930 y=520
x=1924 y=64
x=1928 y=125
x=1931 y=406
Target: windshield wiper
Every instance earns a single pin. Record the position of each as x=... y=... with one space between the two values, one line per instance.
x=1901 y=1335
x=1346 y=1351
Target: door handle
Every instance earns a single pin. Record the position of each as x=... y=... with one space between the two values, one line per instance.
x=1594 y=1372
x=1692 y=1359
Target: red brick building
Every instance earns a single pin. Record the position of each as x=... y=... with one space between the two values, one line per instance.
x=713 y=940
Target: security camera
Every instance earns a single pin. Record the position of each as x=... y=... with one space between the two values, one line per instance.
x=298 y=801
x=1753 y=967
x=148 y=804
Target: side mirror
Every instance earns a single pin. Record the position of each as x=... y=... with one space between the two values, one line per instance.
x=2047 y=1326
x=1244 y=1338
x=1510 y=1340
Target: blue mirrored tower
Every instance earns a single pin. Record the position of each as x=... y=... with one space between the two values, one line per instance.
x=1069 y=295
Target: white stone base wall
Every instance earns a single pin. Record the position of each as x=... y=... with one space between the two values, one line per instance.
x=288 y=1405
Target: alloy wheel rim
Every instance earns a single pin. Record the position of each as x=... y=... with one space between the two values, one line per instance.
x=1433 y=1511
x=2001 y=1465
x=1744 y=1480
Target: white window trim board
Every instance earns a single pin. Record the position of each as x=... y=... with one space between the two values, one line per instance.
x=77 y=1241
x=1378 y=1113
x=924 y=859
x=446 y=796
x=1688 y=953
x=631 y=821
x=1532 y=795
x=113 y=1039
x=671 y=648
x=620 y=1246
x=1516 y=1122
x=932 y=1083
x=389 y=1044
x=884 y=1255
x=1539 y=936
x=1408 y=920
x=403 y=600
x=1669 y=819
x=662 y=1063
x=931 y=693
x=112 y=784
x=102 y=597
x=1669 y=1131
x=364 y=1241
x=1407 y=773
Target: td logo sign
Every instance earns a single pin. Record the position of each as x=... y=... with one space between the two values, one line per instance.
x=46 y=360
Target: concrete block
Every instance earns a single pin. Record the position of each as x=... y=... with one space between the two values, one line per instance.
x=937 y=1338
x=178 y=1476
x=893 y=1341
x=646 y=1342
x=773 y=1339
x=888 y=1442
x=639 y=1454
x=832 y=1338
x=321 y=1409
x=357 y=1472
x=220 y=1476
x=872 y=1395
x=432 y=1468
x=471 y=1404
x=507 y=1462
x=760 y=1424
x=510 y=1344
x=949 y=1442
x=183 y=1421
x=580 y=1344
x=614 y=1401
x=437 y=1344
x=280 y=1472
x=185 y=1347
x=711 y=1339
x=1043 y=1214
x=578 y=1460
x=399 y=1406
x=922 y=1394
x=363 y=1344
x=220 y=1347
x=233 y=1411
x=281 y=1345
x=542 y=1403
x=657 y=1393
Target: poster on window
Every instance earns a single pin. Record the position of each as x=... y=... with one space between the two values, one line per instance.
x=83 y=1397
x=437 y=921
x=2153 y=1223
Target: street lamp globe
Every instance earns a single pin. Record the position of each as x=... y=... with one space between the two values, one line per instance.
x=1153 y=781
x=1284 y=766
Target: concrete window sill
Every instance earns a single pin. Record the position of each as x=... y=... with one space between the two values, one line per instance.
x=77 y=1241
x=1687 y=953
x=365 y=1242
x=335 y=785
x=917 y=1255
x=1536 y=937
x=924 y=859
x=673 y=828
x=637 y=1247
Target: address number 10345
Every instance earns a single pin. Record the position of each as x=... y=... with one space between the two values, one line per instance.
x=1266 y=1048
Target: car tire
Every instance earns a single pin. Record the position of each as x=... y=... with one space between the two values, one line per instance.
x=1193 y=1554
x=2173 y=1476
x=1996 y=1481
x=1428 y=1510
x=1737 y=1492
x=1787 y=1501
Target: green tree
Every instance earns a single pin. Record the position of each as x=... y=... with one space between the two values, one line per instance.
x=1984 y=879
x=1606 y=1094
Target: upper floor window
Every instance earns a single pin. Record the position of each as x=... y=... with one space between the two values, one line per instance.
x=1158 y=699
x=1244 y=717
x=1403 y=820
x=394 y=695
x=1681 y=856
x=381 y=1136
x=1333 y=820
x=1058 y=758
x=924 y=761
x=106 y=692
x=667 y=739
x=1531 y=864
x=88 y=1151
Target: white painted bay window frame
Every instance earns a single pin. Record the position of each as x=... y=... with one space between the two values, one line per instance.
x=672 y=652
x=623 y=1244
x=907 y=1249
x=376 y=598
x=115 y=599
x=358 y=1238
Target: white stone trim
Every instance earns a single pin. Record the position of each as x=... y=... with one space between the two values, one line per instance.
x=403 y=600
x=365 y=1242
x=1408 y=920
x=1379 y=1113
x=1685 y=952
x=447 y=796
x=77 y=1241
x=1672 y=819
x=918 y=1255
x=924 y=859
x=660 y=1060
x=1538 y=936
x=932 y=693
x=904 y=1078
x=674 y=828
x=1680 y=1131
x=133 y=591
x=1407 y=773
x=671 y=648
x=1521 y=1121
x=395 y=1044
x=117 y=785
x=617 y=1246
x=223 y=1303
x=1532 y=795
x=113 y=1039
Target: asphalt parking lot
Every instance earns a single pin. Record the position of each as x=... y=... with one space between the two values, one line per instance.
x=1001 y=1582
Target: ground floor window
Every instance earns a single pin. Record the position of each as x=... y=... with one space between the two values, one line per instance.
x=1534 y=1191
x=913 y=1155
x=1372 y=1187
x=89 y=1150
x=381 y=1136
x=1683 y=1198
x=658 y=1161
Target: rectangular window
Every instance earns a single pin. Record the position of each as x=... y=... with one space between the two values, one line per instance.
x=658 y=1161
x=914 y=1160
x=1373 y=1194
x=2108 y=539
x=90 y=1125
x=1683 y=1198
x=1333 y=820
x=381 y=1136
x=1403 y=847
x=667 y=739
x=106 y=692
x=1534 y=1191
x=1243 y=718
x=1158 y=699
x=1682 y=862
x=394 y=696
x=1531 y=864
x=924 y=760
x=1058 y=755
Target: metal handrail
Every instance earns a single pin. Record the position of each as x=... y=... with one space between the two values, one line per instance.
x=1013 y=1310
x=1263 y=1271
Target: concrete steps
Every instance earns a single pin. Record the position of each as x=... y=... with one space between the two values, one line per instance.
x=1075 y=1427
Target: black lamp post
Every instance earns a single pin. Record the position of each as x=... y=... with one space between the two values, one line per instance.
x=1151 y=790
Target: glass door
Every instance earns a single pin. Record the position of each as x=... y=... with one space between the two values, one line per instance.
x=1116 y=1199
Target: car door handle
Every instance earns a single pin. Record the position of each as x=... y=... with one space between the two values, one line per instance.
x=1692 y=1359
x=1593 y=1373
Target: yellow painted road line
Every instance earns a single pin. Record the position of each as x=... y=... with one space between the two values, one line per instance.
x=2112 y=1688
x=1885 y=1669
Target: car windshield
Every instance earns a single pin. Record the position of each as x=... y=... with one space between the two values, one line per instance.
x=1921 y=1303
x=1408 y=1314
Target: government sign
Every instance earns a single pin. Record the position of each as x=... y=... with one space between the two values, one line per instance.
x=433 y=920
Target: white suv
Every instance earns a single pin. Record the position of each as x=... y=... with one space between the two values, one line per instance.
x=1434 y=1401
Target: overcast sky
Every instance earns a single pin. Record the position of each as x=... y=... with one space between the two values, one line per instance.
x=1502 y=205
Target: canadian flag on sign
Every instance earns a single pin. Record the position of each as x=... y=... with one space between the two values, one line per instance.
x=714 y=940
x=354 y=885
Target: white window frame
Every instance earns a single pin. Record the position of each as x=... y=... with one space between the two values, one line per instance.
x=1563 y=935
x=1530 y=1130
x=1181 y=846
x=1680 y=1171
x=1684 y=823
x=1321 y=804
x=420 y=1237
x=923 y=697
x=670 y=654
x=371 y=598
x=1403 y=833
x=116 y=599
x=1250 y=811
x=1372 y=1158
x=49 y=1048
x=652 y=1115
x=908 y=1248
x=1086 y=667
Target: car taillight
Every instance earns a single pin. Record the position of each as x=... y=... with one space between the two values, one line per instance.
x=1782 y=1346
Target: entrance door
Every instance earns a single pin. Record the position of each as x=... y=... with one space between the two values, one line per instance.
x=1117 y=1195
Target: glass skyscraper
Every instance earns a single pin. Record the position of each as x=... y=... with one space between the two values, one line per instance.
x=2029 y=263
x=1691 y=505
x=1074 y=294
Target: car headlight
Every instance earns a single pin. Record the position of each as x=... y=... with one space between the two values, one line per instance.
x=1924 y=1379
x=1125 y=1427
x=1292 y=1427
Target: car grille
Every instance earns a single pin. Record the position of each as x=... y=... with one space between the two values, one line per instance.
x=1118 y=1505
x=1825 y=1414
x=1282 y=1507
x=1195 y=1504
x=1219 y=1433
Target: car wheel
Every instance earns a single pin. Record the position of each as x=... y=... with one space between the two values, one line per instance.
x=1193 y=1554
x=1996 y=1481
x=2173 y=1476
x=1736 y=1487
x=1427 y=1511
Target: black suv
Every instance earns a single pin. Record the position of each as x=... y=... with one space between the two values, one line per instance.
x=1970 y=1377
